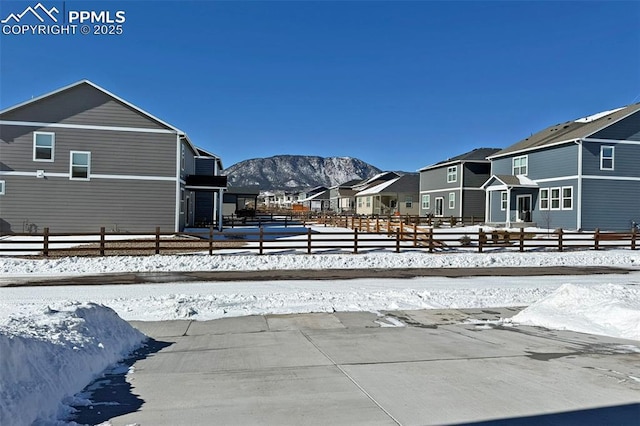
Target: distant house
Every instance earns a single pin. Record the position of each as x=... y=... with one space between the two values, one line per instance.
x=315 y=199
x=453 y=187
x=581 y=174
x=241 y=201
x=80 y=158
x=395 y=196
x=342 y=197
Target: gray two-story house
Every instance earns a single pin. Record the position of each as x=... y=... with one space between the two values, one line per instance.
x=582 y=174
x=453 y=187
x=80 y=158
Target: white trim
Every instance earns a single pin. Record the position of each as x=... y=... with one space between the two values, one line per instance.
x=520 y=167
x=506 y=201
x=3 y=187
x=534 y=148
x=448 y=163
x=78 y=83
x=431 y=191
x=547 y=199
x=579 y=187
x=93 y=176
x=452 y=172
x=195 y=188
x=609 y=141
x=559 y=189
x=627 y=178
x=522 y=197
x=422 y=203
x=452 y=200
x=461 y=190
x=557 y=179
x=435 y=207
x=88 y=166
x=53 y=147
x=178 y=197
x=83 y=126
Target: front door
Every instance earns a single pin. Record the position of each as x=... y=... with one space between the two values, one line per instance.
x=524 y=208
x=439 y=208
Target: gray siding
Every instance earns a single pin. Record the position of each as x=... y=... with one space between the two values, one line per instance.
x=543 y=164
x=627 y=129
x=437 y=179
x=473 y=204
x=626 y=160
x=82 y=104
x=112 y=152
x=496 y=215
x=610 y=204
x=475 y=174
x=80 y=206
x=447 y=212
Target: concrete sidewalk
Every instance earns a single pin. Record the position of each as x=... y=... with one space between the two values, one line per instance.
x=401 y=368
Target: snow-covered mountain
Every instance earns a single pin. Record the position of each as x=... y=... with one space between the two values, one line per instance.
x=298 y=171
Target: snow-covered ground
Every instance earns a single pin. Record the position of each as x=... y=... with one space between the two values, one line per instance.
x=54 y=340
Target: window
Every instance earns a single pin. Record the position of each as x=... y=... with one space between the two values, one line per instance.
x=182 y=201
x=408 y=201
x=606 y=157
x=520 y=165
x=452 y=174
x=368 y=201
x=43 y=146
x=544 y=199
x=503 y=200
x=567 y=197
x=359 y=202
x=555 y=198
x=426 y=202
x=452 y=200
x=80 y=165
x=2 y=185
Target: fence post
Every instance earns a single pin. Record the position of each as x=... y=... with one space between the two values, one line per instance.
x=102 y=241
x=398 y=240
x=560 y=233
x=308 y=240
x=430 y=236
x=210 y=240
x=415 y=235
x=521 y=240
x=596 y=238
x=481 y=239
x=401 y=229
x=634 y=234
x=261 y=241
x=45 y=242
x=355 y=241
x=377 y=224
x=157 y=240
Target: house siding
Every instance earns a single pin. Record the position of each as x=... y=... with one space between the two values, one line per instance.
x=473 y=203
x=84 y=206
x=626 y=160
x=607 y=204
x=544 y=163
x=626 y=129
x=437 y=178
x=475 y=174
x=112 y=152
x=83 y=105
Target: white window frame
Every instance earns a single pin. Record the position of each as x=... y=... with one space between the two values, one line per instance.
x=545 y=198
x=368 y=201
x=452 y=200
x=452 y=174
x=53 y=147
x=503 y=200
x=558 y=198
x=603 y=158
x=569 y=198
x=88 y=166
x=426 y=201
x=518 y=170
x=359 y=202
x=408 y=201
x=3 y=186
x=183 y=161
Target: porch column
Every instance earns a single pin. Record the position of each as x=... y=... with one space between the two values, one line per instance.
x=220 y=202
x=487 y=203
x=508 y=218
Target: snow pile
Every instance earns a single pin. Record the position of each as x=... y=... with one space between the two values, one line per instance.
x=51 y=354
x=607 y=309
x=160 y=263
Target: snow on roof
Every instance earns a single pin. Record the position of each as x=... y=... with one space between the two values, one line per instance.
x=378 y=188
x=594 y=117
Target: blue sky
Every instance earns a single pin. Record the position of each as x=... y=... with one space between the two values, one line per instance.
x=400 y=85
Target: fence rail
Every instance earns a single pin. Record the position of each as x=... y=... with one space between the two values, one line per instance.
x=372 y=235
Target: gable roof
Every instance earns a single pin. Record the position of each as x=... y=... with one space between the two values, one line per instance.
x=570 y=131
x=476 y=155
x=509 y=181
x=95 y=86
x=404 y=183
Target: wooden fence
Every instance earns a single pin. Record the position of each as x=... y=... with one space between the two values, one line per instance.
x=393 y=235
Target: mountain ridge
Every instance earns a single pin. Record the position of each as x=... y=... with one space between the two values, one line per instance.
x=296 y=172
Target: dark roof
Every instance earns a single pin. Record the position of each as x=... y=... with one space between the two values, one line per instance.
x=570 y=131
x=478 y=154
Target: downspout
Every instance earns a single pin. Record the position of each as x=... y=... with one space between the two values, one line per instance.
x=461 y=186
x=177 y=198
x=487 y=202
x=220 y=202
x=508 y=218
x=579 y=189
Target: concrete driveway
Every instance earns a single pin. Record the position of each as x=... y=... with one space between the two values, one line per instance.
x=397 y=368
